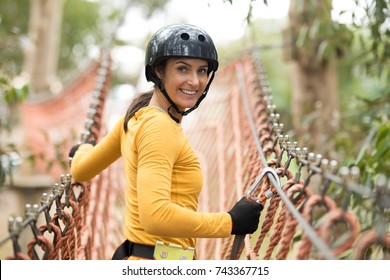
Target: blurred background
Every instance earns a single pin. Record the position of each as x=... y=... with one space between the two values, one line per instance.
x=327 y=63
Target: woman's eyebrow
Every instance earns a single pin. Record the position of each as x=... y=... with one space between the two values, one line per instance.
x=190 y=65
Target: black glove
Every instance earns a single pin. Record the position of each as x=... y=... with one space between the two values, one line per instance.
x=245 y=216
x=75 y=147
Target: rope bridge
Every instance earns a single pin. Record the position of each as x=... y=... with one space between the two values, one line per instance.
x=237 y=135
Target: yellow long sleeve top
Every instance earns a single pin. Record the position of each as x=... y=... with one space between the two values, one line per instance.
x=163 y=180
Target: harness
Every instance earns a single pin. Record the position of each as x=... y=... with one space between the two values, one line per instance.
x=158 y=252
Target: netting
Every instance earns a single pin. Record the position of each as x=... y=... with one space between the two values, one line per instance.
x=237 y=134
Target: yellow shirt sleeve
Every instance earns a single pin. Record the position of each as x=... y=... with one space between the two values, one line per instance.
x=89 y=161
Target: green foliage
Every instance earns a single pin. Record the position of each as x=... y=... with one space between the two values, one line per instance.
x=373 y=37
x=362 y=52
x=81 y=31
x=376 y=158
x=250 y=9
x=11 y=94
x=364 y=141
x=13 y=30
x=316 y=35
x=366 y=107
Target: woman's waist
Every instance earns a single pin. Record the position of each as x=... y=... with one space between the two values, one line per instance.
x=142 y=237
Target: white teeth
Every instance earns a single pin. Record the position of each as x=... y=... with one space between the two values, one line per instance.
x=189 y=92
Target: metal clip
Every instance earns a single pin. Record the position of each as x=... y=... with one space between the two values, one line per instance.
x=291 y=147
x=239 y=239
x=278 y=130
x=314 y=160
x=57 y=192
x=283 y=139
x=172 y=252
x=15 y=225
x=66 y=181
x=301 y=156
x=252 y=189
x=46 y=202
x=382 y=192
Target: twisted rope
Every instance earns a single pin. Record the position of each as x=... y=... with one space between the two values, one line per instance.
x=304 y=246
x=369 y=239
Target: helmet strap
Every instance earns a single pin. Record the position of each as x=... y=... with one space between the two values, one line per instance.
x=174 y=106
x=171 y=115
x=200 y=98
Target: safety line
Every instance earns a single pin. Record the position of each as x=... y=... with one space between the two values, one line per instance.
x=317 y=242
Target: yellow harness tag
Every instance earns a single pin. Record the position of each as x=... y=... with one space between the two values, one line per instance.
x=172 y=252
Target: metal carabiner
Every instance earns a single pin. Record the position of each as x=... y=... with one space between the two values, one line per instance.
x=239 y=239
x=253 y=188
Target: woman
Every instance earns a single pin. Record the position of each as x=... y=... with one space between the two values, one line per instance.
x=163 y=174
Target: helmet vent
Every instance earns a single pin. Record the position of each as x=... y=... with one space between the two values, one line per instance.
x=185 y=36
x=201 y=38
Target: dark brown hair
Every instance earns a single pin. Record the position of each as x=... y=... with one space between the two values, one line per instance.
x=142 y=100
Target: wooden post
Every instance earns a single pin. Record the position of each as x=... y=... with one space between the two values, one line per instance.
x=314 y=105
x=41 y=60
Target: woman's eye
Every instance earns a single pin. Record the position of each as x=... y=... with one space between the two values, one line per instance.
x=203 y=71
x=182 y=69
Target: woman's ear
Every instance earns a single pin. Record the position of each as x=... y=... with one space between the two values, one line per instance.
x=159 y=72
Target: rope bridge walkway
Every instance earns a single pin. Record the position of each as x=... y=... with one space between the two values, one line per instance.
x=243 y=150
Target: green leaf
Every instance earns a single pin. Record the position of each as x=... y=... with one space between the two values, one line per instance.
x=383 y=132
x=321 y=50
x=4 y=81
x=302 y=36
x=314 y=29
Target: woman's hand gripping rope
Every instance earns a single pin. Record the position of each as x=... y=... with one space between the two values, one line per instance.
x=246 y=212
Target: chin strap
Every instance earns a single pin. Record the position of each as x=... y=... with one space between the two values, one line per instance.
x=172 y=116
x=174 y=106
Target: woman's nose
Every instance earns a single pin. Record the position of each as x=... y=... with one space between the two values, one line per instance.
x=193 y=79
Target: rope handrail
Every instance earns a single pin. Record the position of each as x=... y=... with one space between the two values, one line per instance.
x=16 y=225
x=63 y=193
x=313 y=236
x=65 y=190
x=349 y=177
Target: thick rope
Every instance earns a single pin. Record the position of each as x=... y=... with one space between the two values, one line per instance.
x=370 y=239
x=305 y=245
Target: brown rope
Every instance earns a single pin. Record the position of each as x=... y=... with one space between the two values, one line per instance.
x=332 y=218
x=45 y=245
x=281 y=220
x=368 y=240
x=291 y=223
x=57 y=239
x=68 y=243
x=19 y=256
x=81 y=223
x=304 y=246
x=271 y=209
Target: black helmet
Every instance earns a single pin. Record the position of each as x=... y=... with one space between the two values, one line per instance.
x=180 y=40
x=177 y=41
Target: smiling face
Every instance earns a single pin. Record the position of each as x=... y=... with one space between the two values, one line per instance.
x=184 y=79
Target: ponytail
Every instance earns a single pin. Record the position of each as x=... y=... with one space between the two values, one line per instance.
x=139 y=102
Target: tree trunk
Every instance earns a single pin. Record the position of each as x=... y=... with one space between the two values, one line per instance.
x=315 y=85
x=41 y=60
